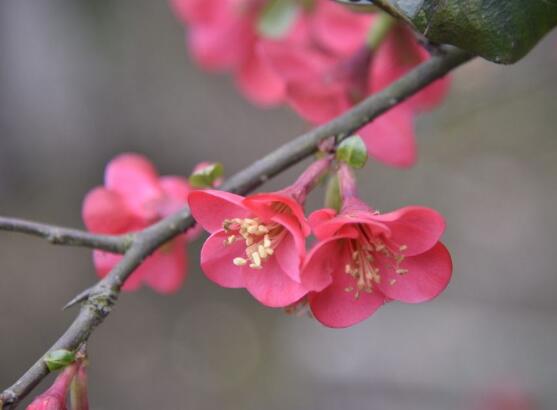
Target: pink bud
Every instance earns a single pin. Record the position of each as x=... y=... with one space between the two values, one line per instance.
x=55 y=397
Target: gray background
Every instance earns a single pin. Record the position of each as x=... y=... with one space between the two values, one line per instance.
x=81 y=81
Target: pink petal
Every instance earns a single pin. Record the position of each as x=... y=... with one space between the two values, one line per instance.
x=398 y=54
x=264 y=205
x=428 y=275
x=104 y=211
x=294 y=61
x=176 y=191
x=390 y=138
x=196 y=11
x=106 y=261
x=210 y=208
x=416 y=227
x=134 y=177
x=338 y=29
x=321 y=264
x=320 y=217
x=289 y=256
x=165 y=269
x=335 y=307
x=222 y=45
x=217 y=260
x=271 y=286
x=345 y=224
x=177 y=188
x=316 y=101
x=259 y=82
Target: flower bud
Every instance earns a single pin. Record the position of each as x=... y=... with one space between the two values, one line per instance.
x=55 y=397
x=206 y=175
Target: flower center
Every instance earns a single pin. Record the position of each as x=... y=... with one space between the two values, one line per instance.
x=363 y=264
x=261 y=239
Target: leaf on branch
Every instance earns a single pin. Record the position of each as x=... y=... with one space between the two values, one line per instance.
x=500 y=31
x=353 y=152
x=58 y=359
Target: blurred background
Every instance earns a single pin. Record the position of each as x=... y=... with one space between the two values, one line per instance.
x=81 y=81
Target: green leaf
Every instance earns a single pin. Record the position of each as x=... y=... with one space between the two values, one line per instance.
x=333 y=199
x=501 y=31
x=353 y=152
x=277 y=17
x=58 y=359
x=206 y=177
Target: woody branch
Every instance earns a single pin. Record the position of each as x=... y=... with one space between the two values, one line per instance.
x=98 y=301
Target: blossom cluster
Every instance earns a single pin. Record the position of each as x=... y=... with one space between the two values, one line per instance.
x=318 y=57
x=133 y=197
x=362 y=259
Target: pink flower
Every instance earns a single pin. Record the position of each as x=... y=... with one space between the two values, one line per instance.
x=257 y=242
x=398 y=54
x=55 y=397
x=507 y=398
x=364 y=259
x=323 y=82
x=134 y=197
x=222 y=36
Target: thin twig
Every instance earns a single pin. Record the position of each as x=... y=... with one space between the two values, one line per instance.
x=58 y=235
x=103 y=295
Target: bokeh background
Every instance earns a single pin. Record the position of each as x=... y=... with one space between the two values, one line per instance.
x=81 y=81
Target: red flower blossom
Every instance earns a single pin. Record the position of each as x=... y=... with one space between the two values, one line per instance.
x=257 y=242
x=223 y=35
x=55 y=397
x=321 y=66
x=134 y=197
x=364 y=259
x=323 y=82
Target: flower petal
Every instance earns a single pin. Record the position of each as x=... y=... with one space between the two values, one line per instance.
x=134 y=177
x=105 y=261
x=265 y=205
x=221 y=45
x=337 y=307
x=316 y=101
x=165 y=269
x=210 y=208
x=321 y=264
x=390 y=138
x=399 y=53
x=418 y=228
x=428 y=275
x=216 y=260
x=104 y=211
x=289 y=256
x=338 y=29
x=176 y=190
x=271 y=285
x=176 y=187
x=259 y=82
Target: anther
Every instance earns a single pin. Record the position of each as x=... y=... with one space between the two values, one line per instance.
x=239 y=261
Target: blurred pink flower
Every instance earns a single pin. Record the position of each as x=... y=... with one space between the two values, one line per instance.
x=257 y=242
x=364 y=259
x=132 y=198
x=507 y=397
x=321 y=66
